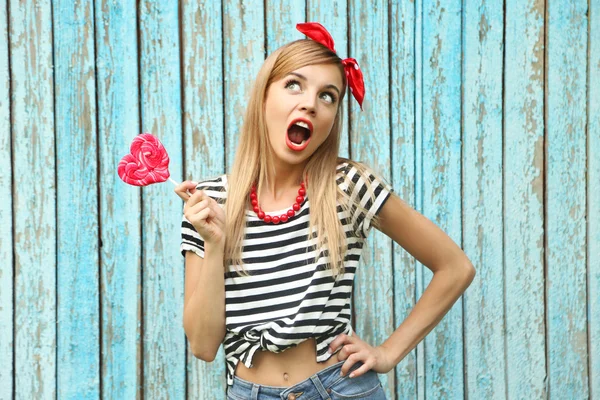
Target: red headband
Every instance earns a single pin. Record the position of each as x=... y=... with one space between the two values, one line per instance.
x=318 y=33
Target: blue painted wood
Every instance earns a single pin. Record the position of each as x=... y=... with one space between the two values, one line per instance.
x=441 y=179
x=523 y=199
x=6 y=210
x=566 y=312
x=418 y=178
x=282 y=17
x=373 y=286
x=118 y=122
x=432 y=125
x=164 y=347
x=204 y=149
x=482 y=198
x=78 y=332
x=34 y=199
x=244 y=53
x=403 y=106
x=593 y=198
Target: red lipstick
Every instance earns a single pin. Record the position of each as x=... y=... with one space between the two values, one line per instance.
x=293 y=146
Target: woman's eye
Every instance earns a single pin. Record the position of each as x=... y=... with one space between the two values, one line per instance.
x=291 y=83
x=331 y=97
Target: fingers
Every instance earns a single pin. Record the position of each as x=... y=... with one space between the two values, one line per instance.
x=218 y=212
x=193 y=209
x=346 y=350
x=359 y=371
x=339 y=341
x=350 y=361
x=202 y=198
x=185 y=189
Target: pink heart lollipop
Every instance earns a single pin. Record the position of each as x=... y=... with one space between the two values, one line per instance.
x=147 y=163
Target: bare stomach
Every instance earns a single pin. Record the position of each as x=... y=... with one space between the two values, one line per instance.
x=285 y=369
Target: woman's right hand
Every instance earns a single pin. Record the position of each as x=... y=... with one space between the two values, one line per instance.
x=203 y=213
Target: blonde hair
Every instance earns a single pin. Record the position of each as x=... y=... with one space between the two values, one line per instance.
x=254 y=156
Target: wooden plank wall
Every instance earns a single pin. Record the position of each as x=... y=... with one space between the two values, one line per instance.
x=484 y=116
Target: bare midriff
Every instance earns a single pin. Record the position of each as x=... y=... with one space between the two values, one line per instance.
x=285 y=369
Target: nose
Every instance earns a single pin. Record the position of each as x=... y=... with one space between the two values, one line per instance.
x=309 y=104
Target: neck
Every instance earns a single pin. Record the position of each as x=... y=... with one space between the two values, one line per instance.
x=284 y=178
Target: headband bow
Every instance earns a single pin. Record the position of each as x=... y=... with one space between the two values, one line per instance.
x=318 y=33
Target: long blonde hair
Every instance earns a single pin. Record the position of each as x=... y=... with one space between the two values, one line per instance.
x=254 y=156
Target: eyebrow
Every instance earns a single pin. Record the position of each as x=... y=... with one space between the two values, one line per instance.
x=326 y=86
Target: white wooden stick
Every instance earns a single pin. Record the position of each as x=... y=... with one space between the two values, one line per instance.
x=177 y=184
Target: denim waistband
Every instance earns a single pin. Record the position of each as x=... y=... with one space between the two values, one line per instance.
x=310 y=387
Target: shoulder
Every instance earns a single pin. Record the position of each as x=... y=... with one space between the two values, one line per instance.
x=214 y=187
x=356 y=174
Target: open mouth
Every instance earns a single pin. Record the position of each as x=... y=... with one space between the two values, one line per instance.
x=298 y=134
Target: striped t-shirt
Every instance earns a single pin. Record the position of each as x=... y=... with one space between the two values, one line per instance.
x=290 y=296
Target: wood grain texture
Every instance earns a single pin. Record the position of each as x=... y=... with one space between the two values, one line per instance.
x=204 y=149
x=418 y=179
x=441 y=175
x=483 y=116
x=34 y=199
x=566 y=112
x=118 y=122
x=402 y=100
x=78 y=341
x=373 y=294
x=593 y=197
x=6 y=212
x=244 y=54
x=333 y=16
x=164 y=347
x=282 y=17
x=523 y=189
x=482 y=198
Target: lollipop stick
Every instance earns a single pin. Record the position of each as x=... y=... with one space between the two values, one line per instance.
x=177 y=184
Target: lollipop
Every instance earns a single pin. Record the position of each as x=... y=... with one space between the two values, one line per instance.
x=147 y=162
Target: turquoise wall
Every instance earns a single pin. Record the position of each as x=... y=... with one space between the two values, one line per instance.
x=484 y=116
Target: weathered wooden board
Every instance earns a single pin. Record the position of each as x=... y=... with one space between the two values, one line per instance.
x=6 y=216
x=34 y=199
x=593 y=197
x=523 y=200
x=483 y=116
x=77 y=330
x=482 y=198
x=565 y=223
x=120 y=204
x=243 y=55
x=164 y=346
x=441 y=179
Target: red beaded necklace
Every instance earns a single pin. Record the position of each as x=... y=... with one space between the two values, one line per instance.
x=283 y=217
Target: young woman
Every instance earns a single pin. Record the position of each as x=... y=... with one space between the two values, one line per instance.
x=272 y=248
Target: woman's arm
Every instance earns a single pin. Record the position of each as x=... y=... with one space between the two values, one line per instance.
x=452 y=272
x=204 y=302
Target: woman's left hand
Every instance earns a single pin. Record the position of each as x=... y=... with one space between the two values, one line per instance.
x=354 y=349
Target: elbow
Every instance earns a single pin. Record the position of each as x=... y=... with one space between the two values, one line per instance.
x=204 y=354
x=469 y=273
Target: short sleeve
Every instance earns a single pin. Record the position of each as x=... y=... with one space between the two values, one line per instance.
x=190 y=238
x=371 y=197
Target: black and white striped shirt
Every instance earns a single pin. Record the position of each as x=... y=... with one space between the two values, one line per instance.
x=290 y=296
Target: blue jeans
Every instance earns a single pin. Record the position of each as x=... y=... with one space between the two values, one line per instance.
x=325 y=384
